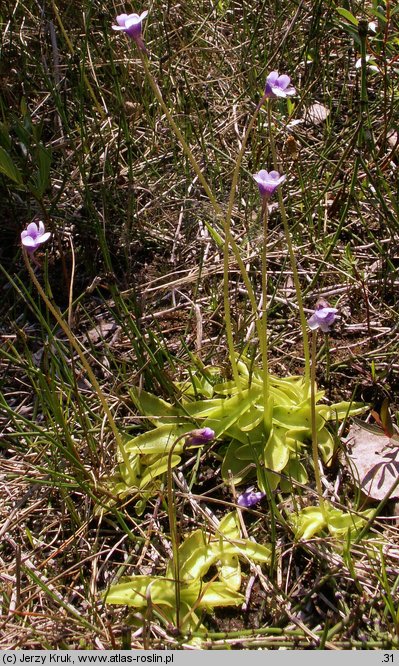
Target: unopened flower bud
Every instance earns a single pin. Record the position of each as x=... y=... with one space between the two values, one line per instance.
x=200 y=436
x=250 y=497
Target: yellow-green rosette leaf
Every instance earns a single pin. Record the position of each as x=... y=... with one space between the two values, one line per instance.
x=157 y=468
x=309 y=521
x=196 y=555
x=230 y=526
x=326 y=444
x=252 y=550
x=233 y=467
x=218 y=594
x=294 y=471
x=158 y=440
x=230 y=571
x=276 y=453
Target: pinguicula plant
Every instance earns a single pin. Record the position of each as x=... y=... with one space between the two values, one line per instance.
x=223 y=548
x=269 y=428
x=266 y=423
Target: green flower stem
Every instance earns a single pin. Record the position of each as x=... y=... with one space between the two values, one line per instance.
x=291 y=253
x=74 y=343
x=264 y=346
x=230 y=242
x=187 y=150
x=315 y=452
x=227 y=314
x=218 y=210
x=174 y=537
x=328 y=361
x=228 y=238
x=365 y=126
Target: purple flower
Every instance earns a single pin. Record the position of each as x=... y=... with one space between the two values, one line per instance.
x=278 y=86
x=33 y=236
x=250 y=497
x=323 y=317
x=131 y=25
x=200 y=436
x=268 y=182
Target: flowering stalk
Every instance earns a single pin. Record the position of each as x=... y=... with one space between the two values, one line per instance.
x=228 y=238
x=227 y=312
x=72 y=340
x=315 y=450
x=217 y=208
x=323 y=318
x=267 y=184
x=179 y=135
x=291 y=253
x=193 y=438
x=264 y=341
x=230 y=242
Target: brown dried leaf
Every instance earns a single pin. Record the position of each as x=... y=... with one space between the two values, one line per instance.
x=373 y=460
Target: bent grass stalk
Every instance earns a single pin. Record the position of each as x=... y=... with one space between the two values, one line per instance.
x=76 y=346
